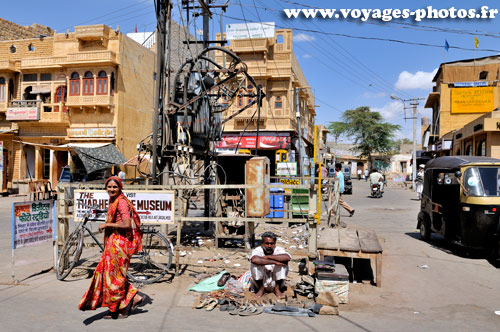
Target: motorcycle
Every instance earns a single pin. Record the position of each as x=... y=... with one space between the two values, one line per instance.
x=375 y=191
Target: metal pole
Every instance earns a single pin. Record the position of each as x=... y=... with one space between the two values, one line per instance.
x=160 y=52
x=259 y=97
x=414 y=168
x=299 y=131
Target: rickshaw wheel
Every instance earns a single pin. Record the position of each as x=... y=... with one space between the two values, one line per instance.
x=425 y=227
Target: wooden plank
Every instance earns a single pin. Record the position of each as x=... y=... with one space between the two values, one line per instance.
x=368 y=241
x=348 y=239
x=329 y=239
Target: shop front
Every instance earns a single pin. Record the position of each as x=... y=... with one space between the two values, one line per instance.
x=276 y=147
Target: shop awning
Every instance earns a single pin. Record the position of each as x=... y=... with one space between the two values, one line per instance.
x=98 y=158
x=35 y=89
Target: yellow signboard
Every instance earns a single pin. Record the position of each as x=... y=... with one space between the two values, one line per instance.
x=472 y=100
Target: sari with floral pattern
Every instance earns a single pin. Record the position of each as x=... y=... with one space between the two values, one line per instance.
x=109 y=286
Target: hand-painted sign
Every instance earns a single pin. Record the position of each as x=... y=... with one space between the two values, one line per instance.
x=108 y=132
x=472 y=100
x=23 y=113
x=250 y=30
x=286 y=169
x=154 y=207
x=32 y=223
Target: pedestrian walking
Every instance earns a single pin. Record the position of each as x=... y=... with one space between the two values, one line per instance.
x=122 y=238
x=366 y=174
x=340 y=176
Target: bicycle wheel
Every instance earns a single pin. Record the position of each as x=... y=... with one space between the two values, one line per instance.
x=153 y=261
x=70 y=254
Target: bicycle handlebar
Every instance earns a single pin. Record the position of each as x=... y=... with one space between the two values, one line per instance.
x=93 y=208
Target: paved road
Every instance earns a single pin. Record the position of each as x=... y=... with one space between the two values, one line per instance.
x=453 y=294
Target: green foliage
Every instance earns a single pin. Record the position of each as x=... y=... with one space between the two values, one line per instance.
x=369 y=133
x=337 y=128
x=399 y=142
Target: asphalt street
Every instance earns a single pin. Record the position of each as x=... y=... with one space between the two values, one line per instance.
x=426 y=286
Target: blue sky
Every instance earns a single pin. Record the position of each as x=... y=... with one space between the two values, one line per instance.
x=344 y=73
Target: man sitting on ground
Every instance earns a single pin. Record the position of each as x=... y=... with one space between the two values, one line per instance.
x=269 y=266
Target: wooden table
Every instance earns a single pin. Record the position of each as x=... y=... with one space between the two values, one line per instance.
x=353 y=243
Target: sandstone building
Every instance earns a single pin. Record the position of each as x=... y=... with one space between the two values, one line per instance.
x=86 y=88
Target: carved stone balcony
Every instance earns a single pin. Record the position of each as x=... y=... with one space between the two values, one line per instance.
x=92 y=32
x=7 y=65
x=91 y=101
x=250 y=45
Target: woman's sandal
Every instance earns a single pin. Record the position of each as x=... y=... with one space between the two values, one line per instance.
x=136 y=304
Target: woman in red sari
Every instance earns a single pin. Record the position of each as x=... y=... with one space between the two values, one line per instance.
x=109 y=286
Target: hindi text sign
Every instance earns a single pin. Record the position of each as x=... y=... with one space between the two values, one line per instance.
x=32 y=223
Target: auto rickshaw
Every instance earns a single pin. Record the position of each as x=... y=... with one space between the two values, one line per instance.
x=461 y=201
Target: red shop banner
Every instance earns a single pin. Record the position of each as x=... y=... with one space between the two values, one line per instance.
x=248 y=142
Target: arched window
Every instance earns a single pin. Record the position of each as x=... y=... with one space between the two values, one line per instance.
x=60 y=96
x=102 y=83
x=251 y=93
x=483 y=75
x=74 y=84
x=112 y=83
x=278 y=103
x=88 y=84
x=468 y=150
x=481 y=148
x=13 y=48
x=2 y=89
x=240 y=99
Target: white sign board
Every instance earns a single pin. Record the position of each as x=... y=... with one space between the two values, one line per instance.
x=250 y=30
x=32 y=223
x=286 y=169
x=91 y=132
x=23 y=113
x=154 y=207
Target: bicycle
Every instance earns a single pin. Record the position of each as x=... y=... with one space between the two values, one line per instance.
x=147 y=266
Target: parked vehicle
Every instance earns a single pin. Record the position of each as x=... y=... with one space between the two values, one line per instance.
x=347 y=181
x=461 y=201
x=375 y=191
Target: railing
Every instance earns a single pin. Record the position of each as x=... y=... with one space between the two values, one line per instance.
x=25 y=103
x=149 y=42
x=92 y=56
x=55 y=115
x=99 y=100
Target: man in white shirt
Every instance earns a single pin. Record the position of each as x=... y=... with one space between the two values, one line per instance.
x=377 y=178
x=269 y=266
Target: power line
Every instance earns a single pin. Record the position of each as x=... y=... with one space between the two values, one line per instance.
x=110 y=13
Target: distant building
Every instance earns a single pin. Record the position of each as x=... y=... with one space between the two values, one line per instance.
x=464 y=91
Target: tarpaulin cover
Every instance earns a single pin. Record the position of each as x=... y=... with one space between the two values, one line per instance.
x=103 y=157
x=208 y=285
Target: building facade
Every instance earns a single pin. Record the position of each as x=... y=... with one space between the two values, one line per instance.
x=464 y=91
x=85 y=88
x=273 y=65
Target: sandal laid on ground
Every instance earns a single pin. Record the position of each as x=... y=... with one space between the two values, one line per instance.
x=203 y=303
x=251 y=311
x=211 y=305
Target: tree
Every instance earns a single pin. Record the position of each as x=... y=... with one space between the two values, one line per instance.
x=369 y=133
x=337 y=128
x=399 y=142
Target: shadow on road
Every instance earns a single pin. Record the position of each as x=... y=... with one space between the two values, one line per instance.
x=440 y=243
